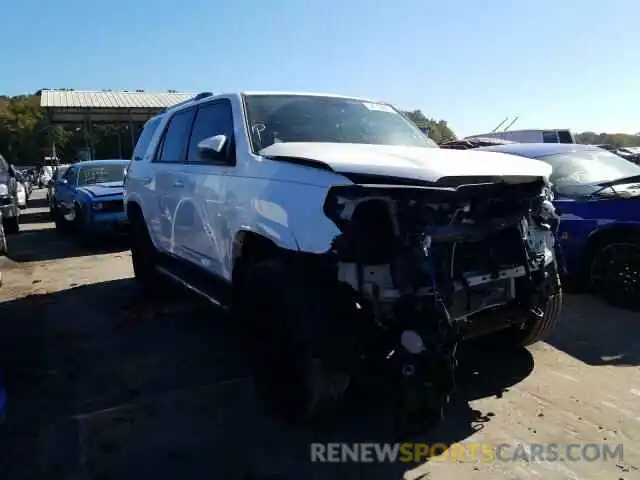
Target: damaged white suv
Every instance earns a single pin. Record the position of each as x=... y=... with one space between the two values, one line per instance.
x=344 y=241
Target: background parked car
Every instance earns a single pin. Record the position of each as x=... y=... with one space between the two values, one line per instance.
x=597 y=194
x=9 y=198
x=88 y=199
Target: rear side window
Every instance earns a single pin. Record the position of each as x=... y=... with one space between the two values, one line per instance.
x=565 y=136
x=145 y=138
x=212 y=119
x=550 y=136
x=175 y=137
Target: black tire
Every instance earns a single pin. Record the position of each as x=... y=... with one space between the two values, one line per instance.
x=537 y=328
x=62 y=225
x=272 y=310
x=11 y=225
x=614 y=273
x=80 y=229
x=3 y=241
x=144 y=257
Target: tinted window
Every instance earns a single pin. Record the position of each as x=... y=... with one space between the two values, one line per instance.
x=212 y=119
x=312 y=118
x=550 y=137
x=101 y=174
x=564 y=136
x=145 y=138
x=175 y=139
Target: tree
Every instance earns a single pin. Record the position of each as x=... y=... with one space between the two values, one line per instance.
x=617 y=139
x=438 y=129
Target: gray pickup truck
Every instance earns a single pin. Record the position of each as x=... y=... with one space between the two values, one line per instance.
x=8 y=198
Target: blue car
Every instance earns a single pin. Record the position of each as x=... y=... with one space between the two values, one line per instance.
x=88 y=199
x=597 y=194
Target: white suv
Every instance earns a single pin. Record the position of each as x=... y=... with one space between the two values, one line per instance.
x=343 y=240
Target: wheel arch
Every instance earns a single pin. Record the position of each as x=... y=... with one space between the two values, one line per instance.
x=602 y=236
x=250 y=247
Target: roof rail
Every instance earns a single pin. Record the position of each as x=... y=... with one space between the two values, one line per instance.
x=197 y=97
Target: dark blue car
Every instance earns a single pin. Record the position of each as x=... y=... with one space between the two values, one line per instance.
x=597 y=194
x=88 y=199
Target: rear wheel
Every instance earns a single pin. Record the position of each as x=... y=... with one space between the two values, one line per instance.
x=144 y=257
x=275 y=314
x=11 y=225
x=614 y=273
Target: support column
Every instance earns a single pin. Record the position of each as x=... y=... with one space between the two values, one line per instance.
x=132 y=132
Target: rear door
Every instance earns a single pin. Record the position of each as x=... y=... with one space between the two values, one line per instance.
x=169 y=179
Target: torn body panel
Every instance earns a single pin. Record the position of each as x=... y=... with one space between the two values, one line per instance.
x=434 y=264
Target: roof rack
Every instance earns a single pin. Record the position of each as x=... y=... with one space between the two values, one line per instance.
x=199 y=96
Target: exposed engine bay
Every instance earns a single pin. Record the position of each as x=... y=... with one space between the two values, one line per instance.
x=433 y=265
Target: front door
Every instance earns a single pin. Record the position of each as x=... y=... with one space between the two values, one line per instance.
x=201 y=213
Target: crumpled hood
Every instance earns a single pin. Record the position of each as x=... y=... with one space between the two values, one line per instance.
x=106 y=189
x=428 y=164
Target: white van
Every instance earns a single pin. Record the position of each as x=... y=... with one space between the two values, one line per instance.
x=532 y=136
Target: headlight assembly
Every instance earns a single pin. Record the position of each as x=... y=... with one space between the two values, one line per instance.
x=4 y=190
x=97 y=206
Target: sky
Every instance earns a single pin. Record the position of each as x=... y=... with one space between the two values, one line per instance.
x=553 y=63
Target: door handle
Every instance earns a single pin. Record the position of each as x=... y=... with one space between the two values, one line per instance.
x=146 y=180
x=178 y=184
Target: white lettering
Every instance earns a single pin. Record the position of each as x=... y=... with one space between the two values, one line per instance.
x=318 y=452
x=333 y=452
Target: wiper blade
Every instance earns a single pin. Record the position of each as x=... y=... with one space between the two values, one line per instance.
x=620 y=181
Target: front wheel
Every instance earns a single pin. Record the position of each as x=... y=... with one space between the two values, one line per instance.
x=276 y=312
x=614 y=274
x=537 y=326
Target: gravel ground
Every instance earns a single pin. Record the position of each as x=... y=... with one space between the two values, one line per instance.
x=103 y=384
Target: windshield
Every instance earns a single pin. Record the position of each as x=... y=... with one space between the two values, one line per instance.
x=101 y=174
x=589 y=167
x=306 y=118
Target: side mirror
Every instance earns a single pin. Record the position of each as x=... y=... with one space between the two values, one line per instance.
x=212 y=148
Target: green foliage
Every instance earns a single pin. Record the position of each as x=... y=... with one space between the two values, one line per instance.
x=617 y=139
x=439 y=131
x=26 y=137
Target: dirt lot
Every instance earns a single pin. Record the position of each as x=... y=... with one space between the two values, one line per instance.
x=103 y=384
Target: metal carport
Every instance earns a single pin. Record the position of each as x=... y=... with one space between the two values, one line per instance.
x=85 y=108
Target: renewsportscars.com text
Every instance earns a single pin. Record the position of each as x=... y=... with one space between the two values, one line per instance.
x=461 y=452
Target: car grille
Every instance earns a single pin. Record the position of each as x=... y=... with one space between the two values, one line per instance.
x=113 y=206
x=6 y=200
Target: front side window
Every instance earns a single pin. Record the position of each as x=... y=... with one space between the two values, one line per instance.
x=68 y=174
x=175 y=138
x=90 y=175
x=308 y=118
x=212 y=119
